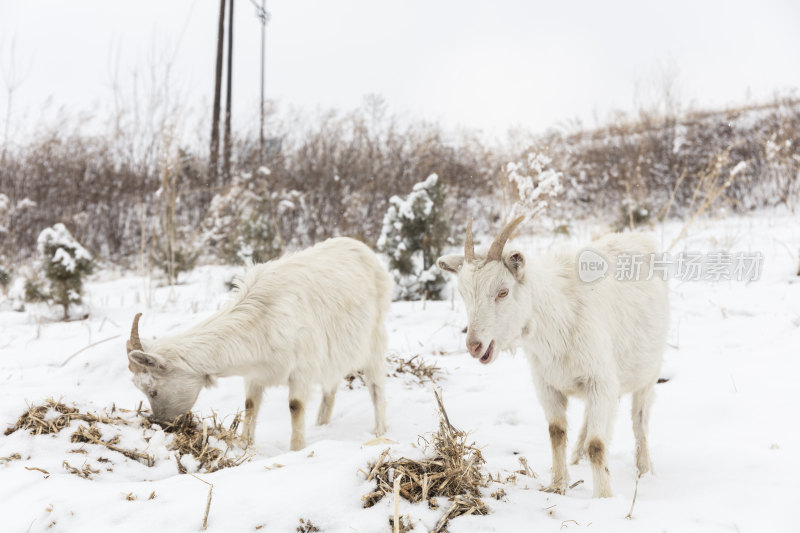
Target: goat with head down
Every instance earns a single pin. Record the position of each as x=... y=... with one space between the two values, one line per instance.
x=594 y=340
x=303 y=320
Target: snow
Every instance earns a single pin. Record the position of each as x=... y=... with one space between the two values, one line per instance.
x=69 y=250
x=724 y=433
x=25 y=203
x=66 y=260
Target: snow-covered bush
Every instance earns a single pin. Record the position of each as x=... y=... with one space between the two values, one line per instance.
x=536 y=183
x=414 y=233
x=240 y=226
x=64 y=264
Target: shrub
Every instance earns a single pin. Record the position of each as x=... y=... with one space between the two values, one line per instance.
x=413 y=236
x=5 y=276
x=240 y=226
x=182 y=259
x=65 y=264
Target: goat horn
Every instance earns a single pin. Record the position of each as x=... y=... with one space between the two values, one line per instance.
x=136 y=343
x=496 y=250
x=469 y=247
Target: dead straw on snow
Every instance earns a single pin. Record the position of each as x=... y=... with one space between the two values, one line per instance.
x=37 y=421
x=200 y=438
x=85 y=471
x=454 y=470
x=192 y=436
x=91 y=435
x=415 y=367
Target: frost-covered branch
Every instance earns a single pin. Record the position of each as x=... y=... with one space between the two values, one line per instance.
x=536 y=183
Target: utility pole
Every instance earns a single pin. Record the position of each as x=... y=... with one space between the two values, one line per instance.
x=264 y=16
x=214 y=148
x=228 y=142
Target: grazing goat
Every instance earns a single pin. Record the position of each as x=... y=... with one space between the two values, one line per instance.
x=595 y=341
x=306 y=319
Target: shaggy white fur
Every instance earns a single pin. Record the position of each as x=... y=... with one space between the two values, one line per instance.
x=306 y=319
x=595 y=341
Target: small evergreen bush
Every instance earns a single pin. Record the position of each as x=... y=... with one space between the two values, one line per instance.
x=240 y=226
x=64 y=264
x=414 y=233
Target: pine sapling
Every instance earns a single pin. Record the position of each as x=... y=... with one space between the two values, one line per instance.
x=64 y=263
x=414 y=233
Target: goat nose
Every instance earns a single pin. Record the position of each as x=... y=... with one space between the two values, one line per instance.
x=474 y=348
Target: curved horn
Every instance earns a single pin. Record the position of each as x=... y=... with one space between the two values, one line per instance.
x=499 y=243
x=469 y=248
x=136 y=343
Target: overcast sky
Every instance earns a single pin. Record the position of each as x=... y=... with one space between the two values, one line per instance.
x=484 y=65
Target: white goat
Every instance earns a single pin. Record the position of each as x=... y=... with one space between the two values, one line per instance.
x=592 y=340
x=306 y=319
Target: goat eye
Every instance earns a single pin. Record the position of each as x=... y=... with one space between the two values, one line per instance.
x=153 y=393
x=503 y=293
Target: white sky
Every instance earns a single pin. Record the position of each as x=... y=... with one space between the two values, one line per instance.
x=484 y=65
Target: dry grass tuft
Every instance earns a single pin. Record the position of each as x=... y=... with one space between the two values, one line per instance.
x=85 y=471
x=454 y=470
x=37 y=421
x=404 y=524
x=499 y=494
x=12 y=457
x=307 y=527
x=192 y=435
x=416 y=367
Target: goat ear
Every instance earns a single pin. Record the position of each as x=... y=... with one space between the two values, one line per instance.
x=148 y=361
x=515 y=262
x=450 y=263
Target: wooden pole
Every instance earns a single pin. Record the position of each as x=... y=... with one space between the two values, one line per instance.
x=213 y=157
x=228 y=142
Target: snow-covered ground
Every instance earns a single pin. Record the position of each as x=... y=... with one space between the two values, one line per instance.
x=724 y=433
